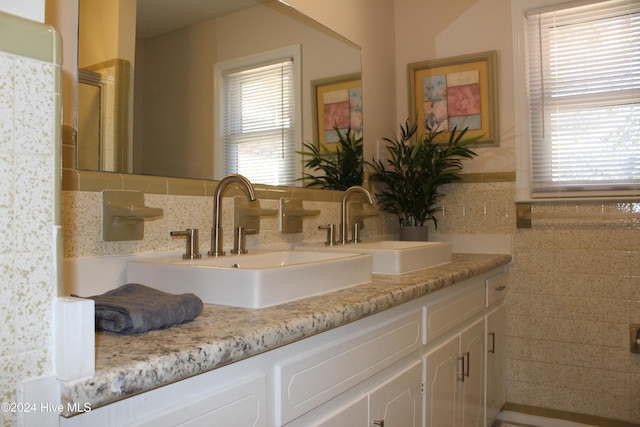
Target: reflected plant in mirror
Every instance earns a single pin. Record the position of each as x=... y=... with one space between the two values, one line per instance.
x=149 y=103
x=339 y=169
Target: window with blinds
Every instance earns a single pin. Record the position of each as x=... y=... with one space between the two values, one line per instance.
x=584 y=98
x=259 y=129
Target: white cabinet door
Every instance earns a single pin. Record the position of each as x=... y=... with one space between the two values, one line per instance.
x=441 y=390
x=454 y=383
x=397 y=402
x=496 y=363
x=471 y=409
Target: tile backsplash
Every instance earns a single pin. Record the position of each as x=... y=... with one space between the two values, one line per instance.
x=82 y=222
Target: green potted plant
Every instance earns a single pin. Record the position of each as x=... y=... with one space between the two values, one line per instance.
x=413 y=173
x=340 y=169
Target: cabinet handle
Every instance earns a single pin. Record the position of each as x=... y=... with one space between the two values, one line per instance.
x=461 y=360
x=500 y=288
x=468 y=357
x=378 y=423
x=493 y=342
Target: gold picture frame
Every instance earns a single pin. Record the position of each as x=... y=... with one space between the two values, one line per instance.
x=336 y=101
x=460 y=92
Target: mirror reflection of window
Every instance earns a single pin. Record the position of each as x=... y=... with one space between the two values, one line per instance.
x=260 y=117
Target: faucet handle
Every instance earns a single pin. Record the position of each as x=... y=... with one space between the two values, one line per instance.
x=357 y=228
x=331 y=231
x=191 y=235
x=240 y=240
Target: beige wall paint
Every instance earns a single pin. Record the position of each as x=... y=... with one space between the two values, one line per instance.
x=175 y=115
x=370 y=25
x=428 y=29
x=98 y=25
x=422 y=30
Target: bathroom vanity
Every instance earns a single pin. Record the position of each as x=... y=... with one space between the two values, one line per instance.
x=405 y=350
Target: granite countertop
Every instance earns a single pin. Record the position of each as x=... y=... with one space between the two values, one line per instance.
x=128 y=365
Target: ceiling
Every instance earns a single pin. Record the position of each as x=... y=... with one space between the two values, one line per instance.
x=155 y=17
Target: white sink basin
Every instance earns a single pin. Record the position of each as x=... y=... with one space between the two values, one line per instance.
x=393 y=256
x=253 y=280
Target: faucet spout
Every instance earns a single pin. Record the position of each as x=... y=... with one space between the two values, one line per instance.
x=345 y=197
x=216 y=229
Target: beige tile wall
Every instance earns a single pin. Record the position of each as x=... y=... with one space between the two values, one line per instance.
x=575 y=287
x=478 y=208
x=29 y=97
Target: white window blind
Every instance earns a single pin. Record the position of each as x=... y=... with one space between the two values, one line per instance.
x=584 y=98
x=259 y=123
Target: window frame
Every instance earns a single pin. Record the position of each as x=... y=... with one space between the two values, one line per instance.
x=248 y=61
x=524 y=188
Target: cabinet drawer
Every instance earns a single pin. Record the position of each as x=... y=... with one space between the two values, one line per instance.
x=208 y=399
x=496 y=288
x=447 y=314
x=239 y=405
x=353 y=414
x=308 y=381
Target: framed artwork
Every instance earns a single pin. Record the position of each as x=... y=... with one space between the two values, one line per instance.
x=337 y=102
x=458 y=92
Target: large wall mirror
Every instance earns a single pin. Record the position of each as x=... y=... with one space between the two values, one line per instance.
x=146 y=94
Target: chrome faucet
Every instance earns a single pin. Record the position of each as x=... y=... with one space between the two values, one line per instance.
x=344 y=226
x=216 y=229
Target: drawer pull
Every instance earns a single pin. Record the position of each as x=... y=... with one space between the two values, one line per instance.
x=378 y=423
x=493 y=342
x=500 y=288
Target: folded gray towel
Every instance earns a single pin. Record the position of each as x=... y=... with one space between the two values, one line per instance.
x=134 y=309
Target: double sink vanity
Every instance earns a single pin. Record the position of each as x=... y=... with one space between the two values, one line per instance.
x=347 y=335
